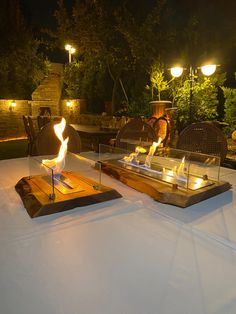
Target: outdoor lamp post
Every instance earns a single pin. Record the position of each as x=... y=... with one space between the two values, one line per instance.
x=206 y=70
x=70 y=50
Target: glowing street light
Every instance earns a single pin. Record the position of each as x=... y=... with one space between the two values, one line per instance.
x=207 y=70
x=70 y=50
x=176 y=71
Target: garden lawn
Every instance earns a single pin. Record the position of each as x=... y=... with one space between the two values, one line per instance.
x=13 y=149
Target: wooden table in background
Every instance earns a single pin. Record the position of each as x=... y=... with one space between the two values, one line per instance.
x=92 y=136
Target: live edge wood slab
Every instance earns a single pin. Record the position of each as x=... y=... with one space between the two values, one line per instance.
x=34 y=192
x=161 y=191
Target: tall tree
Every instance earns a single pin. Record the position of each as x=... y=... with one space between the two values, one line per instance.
x=122 y=37
x=21 y=67
x=127 y=38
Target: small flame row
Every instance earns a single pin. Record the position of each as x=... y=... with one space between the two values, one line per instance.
x=174 y=175
x=133 y=157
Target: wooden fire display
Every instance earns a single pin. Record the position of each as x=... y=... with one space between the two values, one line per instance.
x=70 y=190
x=164 y=192
x=57 y=190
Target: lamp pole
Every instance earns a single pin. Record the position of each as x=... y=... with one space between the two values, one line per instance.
x=206 y=70
x=191 y=84
x=70 y=50
x=69 y=56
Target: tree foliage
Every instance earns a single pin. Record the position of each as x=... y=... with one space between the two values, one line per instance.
x=159 y=82
x=122 y=44
x=204 y=99
x=230 y=108
x=21 y=67
x=113 y=32
x=85 y=79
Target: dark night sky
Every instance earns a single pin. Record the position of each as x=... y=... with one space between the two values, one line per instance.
x=39 y=14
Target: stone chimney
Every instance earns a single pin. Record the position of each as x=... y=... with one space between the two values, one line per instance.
x=48 y=93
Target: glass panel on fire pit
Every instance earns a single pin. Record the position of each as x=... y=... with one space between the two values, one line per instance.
x=182 y=169
x=42 y=176
x=49 y=179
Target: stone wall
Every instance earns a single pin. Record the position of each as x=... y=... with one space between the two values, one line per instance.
x=11 y=122
x=93 y=119
x=46 y=97
x=70 y=109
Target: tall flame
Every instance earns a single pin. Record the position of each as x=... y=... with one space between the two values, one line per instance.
x=58 y=163
x=151 y=152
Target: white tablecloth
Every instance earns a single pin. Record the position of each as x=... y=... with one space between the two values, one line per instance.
x=127 y=256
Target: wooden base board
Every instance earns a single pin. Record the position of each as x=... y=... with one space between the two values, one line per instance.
x=34 y=192
x=161 y=191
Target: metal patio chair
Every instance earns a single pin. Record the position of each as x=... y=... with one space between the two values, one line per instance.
x=203 y=137
x=31 y=134
x=135 y=133
x=47 y=143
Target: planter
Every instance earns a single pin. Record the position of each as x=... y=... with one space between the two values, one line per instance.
x=171 y=116
x=159 y=106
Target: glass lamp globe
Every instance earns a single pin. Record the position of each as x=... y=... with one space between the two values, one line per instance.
x=208 y=69
x=68 y=47
x=176 y=71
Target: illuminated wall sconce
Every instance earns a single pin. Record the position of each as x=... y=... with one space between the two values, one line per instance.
x=69 y=104
x=12 y=105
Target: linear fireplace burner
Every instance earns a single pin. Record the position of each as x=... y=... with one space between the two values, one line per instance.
x=168 y=175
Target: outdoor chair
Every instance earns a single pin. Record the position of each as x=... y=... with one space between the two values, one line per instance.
x=31 y=134
x=135 y=133
x=151 y=121
x=47 y=143
x=203 y=137
x=162 y=129
x=42 y=120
